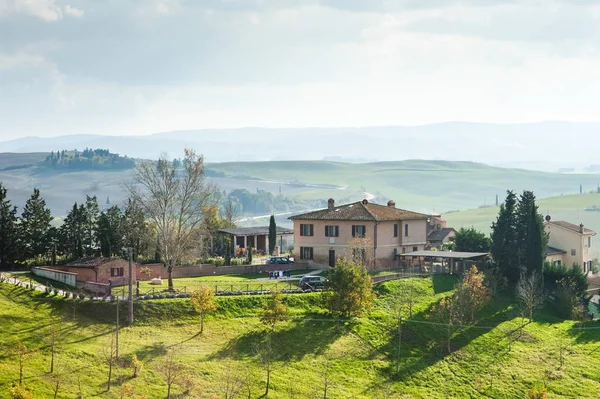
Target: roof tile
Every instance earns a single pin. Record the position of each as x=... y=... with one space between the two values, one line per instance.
x=360 y=211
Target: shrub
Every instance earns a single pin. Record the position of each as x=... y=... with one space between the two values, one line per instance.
x=349 y=289
x=146 y=271
x=55 y=291
x=18 y=392
x=537 y=393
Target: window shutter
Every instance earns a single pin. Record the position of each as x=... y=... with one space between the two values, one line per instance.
x=337 y=231
x=311 y=230
x=353 y=231
x=301 y=230
x=364 y=231
x=396 y=230
x=326 y=231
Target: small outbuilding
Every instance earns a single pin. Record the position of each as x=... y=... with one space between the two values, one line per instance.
x=113 y=271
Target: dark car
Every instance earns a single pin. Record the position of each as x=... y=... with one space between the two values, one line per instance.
x=279 y=260
x=312 y=283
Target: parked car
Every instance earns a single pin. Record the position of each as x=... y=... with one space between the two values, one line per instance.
x=279 y=260
x=312 y=283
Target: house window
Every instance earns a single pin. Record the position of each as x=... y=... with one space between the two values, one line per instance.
x=405 y=230
x=306 y=230
x=359 y=254
x=557 y=263
x=415 y=249
x=332 y=231
x=403 y=250
x=306 y=253
x=116 y=272
x=396 y=230
x=573 y=252
x=359 y=230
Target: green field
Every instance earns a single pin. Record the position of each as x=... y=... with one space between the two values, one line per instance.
x=424 y=186
x=355 y=358
x=231 y=283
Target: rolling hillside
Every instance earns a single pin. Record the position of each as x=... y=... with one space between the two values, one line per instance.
x=424 y=186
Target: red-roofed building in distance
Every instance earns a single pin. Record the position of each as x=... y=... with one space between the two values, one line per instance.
x=320 y=237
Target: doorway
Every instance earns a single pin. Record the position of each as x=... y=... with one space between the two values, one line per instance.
x=332 y=258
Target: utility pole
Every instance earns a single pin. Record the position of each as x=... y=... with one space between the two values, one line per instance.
x=130 y=285
x=117 y=332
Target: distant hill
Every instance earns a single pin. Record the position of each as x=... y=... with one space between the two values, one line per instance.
x=547 y=146
x=424 y=186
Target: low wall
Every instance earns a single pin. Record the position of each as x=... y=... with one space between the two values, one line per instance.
x=95 y=288
x=66 y=278
x=158 y=270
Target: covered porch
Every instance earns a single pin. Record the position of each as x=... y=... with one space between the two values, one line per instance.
x=444 y=261
x=256 y=238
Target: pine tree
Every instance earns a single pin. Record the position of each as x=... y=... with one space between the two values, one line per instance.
x=9 y=235
x=272 y=235
x=504 y=239
x=35 y=224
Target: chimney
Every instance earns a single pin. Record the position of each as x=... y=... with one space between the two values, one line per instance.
x=391 y=204
x=581 y=228
x=330 y=203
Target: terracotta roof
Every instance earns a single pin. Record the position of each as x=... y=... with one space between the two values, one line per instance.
x=256 y=231
x=361 y=211
x=439 y=235
x=572 y=227
x=554 y=251
x=91 y=262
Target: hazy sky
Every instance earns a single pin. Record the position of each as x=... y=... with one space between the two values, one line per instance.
x=143 y=66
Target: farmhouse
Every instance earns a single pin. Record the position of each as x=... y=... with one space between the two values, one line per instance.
x=322 y=236
x=438 y=233
x=569 y=244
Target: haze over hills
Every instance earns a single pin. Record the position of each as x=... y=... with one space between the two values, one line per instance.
x=547 y=146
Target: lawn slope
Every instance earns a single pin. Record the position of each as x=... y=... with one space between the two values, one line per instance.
x=356 y=358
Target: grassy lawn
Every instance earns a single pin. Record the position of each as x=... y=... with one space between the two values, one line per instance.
x=357 y=358
x=231 y=282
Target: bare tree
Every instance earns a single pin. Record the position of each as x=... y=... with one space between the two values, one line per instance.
x=58 y=379
x=232 y=214
x=174 y=201
x=23 y=353
x=326 y=377
x=109 y=355
x=51 y=341
x=231 y=384
x=266 y=356
x=361 y=251
x=530 y=293
x=172 y=371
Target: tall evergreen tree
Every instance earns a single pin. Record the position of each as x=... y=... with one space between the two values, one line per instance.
x=531 y=235
x=9 y=234
x=35 y=224
x=504 y=239
x=272 y=235
x=91 y=214
x=72 y=232
x=109 y=231
x=135 y=229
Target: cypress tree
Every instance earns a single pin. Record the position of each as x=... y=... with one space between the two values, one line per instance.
x=272 y=235
x=504 y=247
x=532 y=237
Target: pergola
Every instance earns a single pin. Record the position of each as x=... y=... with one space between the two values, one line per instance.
x=254 y=237
x=449 y=256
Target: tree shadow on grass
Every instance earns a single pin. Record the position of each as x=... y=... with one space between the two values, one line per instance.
x=424 y=344
x=292 y=341
x=150 y=352
x=443 y=282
